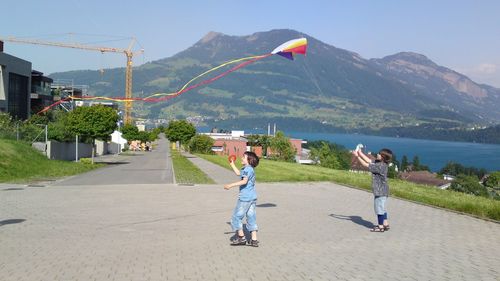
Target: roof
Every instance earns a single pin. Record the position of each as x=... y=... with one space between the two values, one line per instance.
x=423 y=177
x=356 y=165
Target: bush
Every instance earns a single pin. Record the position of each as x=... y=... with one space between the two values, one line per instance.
x=201 y=144
x=493 y=180
x=86 y=161
x=7 y=128
x=469 y=185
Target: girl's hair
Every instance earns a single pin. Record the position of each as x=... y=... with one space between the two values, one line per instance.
x=386 y=155
x=252 y=158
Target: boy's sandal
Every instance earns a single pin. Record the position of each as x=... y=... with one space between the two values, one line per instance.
x=387 y=227
x=377 y=229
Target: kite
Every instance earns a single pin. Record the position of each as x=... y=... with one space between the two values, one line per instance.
x=286 y=50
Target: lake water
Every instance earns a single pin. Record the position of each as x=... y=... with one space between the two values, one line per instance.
x=434 y=154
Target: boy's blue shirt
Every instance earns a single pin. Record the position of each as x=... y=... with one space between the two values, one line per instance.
x=247 y=191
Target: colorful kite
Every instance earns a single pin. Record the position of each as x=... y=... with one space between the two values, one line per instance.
x=287 y=50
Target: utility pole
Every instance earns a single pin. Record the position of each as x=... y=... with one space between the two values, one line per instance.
x=76 y=148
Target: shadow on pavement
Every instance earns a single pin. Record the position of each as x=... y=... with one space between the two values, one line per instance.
x=355 y=219
x=12 y=221
x=112 y=163
x=13 y=188
x=266 y=205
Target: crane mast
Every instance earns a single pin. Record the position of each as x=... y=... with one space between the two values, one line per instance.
x=128 y=70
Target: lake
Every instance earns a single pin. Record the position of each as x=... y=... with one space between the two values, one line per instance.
x=434 y=154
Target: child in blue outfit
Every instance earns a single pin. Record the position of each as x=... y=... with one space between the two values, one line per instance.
x=380 y=188
x=247 y=200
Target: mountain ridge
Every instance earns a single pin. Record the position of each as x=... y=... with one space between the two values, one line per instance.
x=329 y=85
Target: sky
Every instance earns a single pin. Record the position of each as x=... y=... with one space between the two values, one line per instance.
x=462 y=35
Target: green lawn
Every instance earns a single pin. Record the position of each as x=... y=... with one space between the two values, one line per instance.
x=20 y=163
x=274 y=171
x=186 y=172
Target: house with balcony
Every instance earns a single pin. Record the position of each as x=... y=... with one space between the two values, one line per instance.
x=15 y=85
x=41 y=92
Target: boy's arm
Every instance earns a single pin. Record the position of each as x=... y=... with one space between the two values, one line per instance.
x=235 y=170
x=238 y=183
x=360 y=159
x=364 y=157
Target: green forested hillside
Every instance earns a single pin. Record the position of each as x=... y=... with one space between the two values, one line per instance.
x=328 y=86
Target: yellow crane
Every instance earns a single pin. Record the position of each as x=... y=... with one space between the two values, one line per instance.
x=128 y=72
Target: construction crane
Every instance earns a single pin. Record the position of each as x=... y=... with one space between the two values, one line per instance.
x=128 y=72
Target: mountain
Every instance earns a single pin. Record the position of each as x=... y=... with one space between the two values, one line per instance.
x=328 y=87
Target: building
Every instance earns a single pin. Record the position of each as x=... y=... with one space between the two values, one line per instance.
x=15 y=85
x=41 y=92
x=235 y=143
x=425 y=177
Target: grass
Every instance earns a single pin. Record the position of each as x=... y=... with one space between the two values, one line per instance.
x=186 y=172
x=20 y=163
x=274 y=171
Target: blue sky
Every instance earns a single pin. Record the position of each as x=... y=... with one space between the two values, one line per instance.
x=462 y=35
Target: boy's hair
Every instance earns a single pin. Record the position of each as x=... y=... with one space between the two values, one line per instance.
x=386 y=155
x=253 y=159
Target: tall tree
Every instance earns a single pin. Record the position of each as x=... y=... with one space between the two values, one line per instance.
x=281 y=148
x=416 y=163
x=325 y=157
x=180 y=130
x=130 y=132
x=92 y=122
x=404 y=163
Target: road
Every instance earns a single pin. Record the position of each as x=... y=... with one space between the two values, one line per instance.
x=153 y=167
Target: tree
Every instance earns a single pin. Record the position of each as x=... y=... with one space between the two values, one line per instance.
x=201 y=144
x=416 y=163
x=281 y=148
x=469 y=185
x=493 y=180
x=58 y=128
x=260 y=140
x=342 y=155
x=416 y=166
x=130 y=132
x=325 y=157
x=404 y=163
x=455 y=169
x=181 y=131
x=92 y=122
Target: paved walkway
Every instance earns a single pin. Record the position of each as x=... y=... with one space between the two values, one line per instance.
x=308 y=231
x=141 y=167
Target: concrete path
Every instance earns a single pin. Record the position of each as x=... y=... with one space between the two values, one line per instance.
x=143 y=167
x=308 y=231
